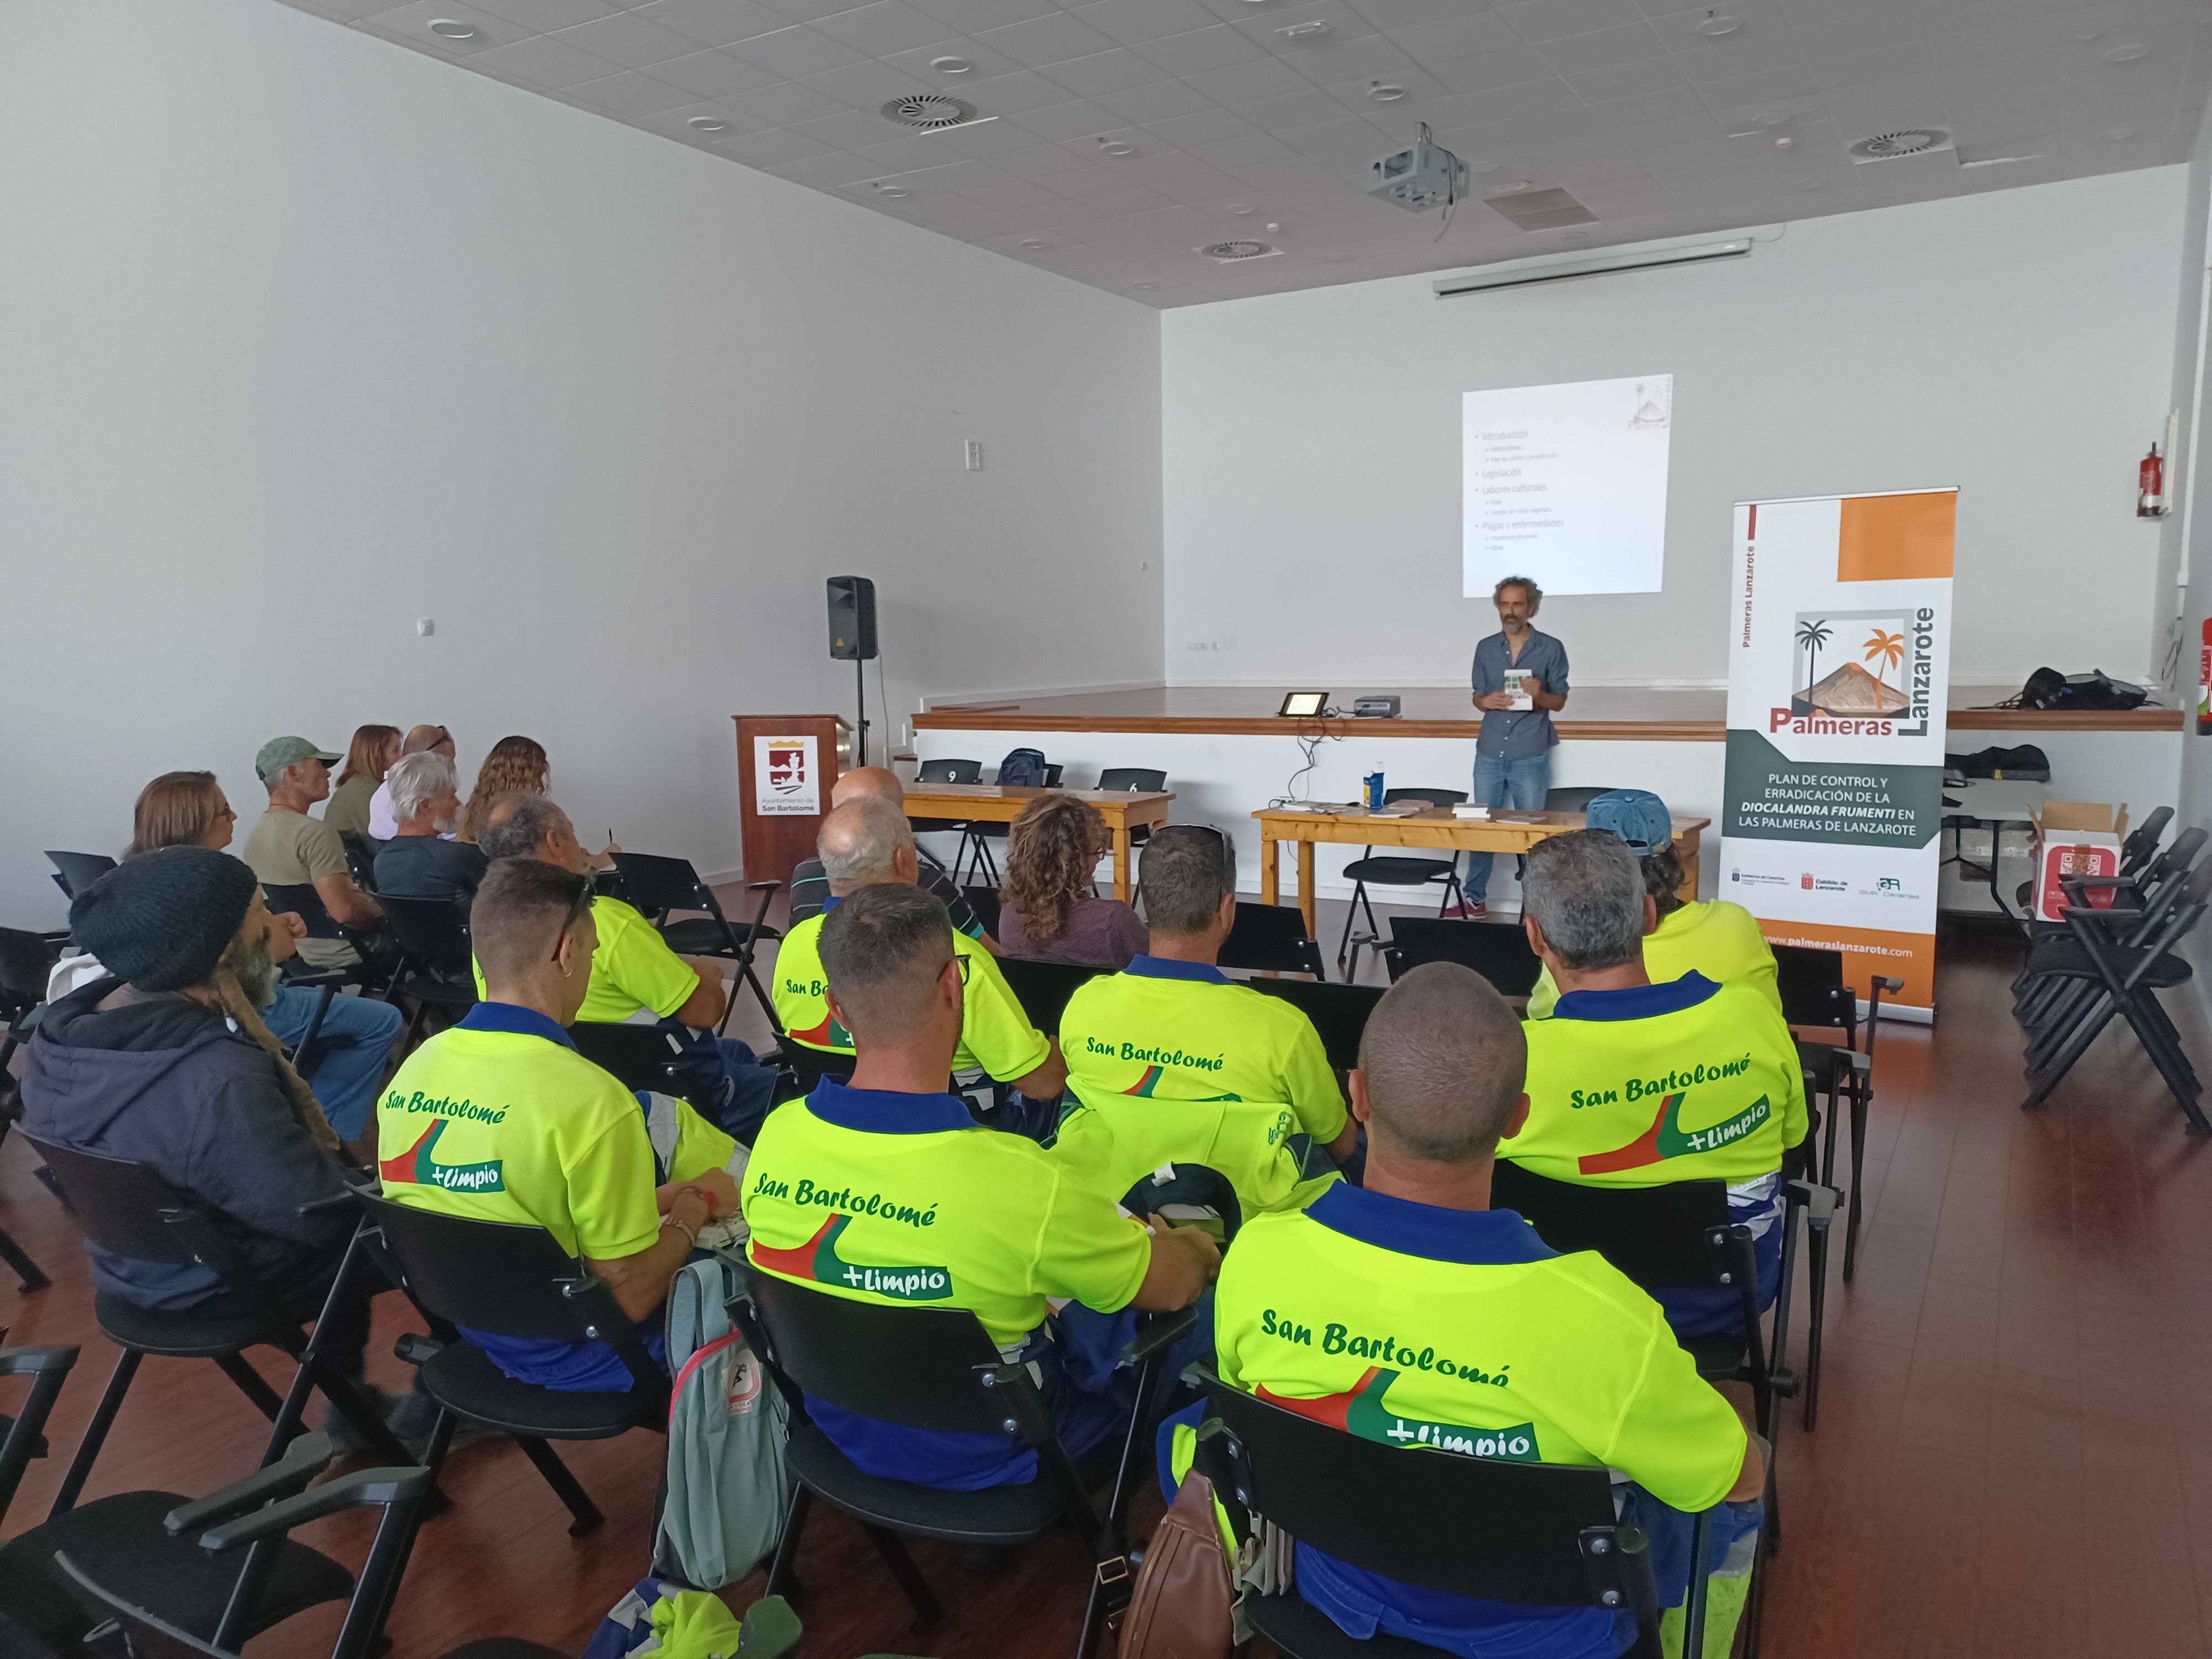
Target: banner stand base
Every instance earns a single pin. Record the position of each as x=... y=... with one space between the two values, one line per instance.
x=1904 y=1012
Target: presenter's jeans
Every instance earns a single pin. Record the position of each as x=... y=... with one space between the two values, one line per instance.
x=350 y=1046
x=1516 y=785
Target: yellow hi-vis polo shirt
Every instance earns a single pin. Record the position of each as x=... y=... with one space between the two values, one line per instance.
x=888 y=1198
x=1684 y=1081
x=995 y=1034
x=632 y=968
x=1185 y=1030
x=1461 y=1332
x=1117 y=1140
x=1720 y=940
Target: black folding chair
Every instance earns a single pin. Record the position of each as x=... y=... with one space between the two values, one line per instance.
x=957 y=772
x=1271 y=938
x=436 y=965
x=984 y=902
x=934 y=1368
x=23 y=1437
x=511 y=1281
x=2137 y=905
x=1498 y=950
x=1043 y=988
x=1815 y=997
x=639 y=1057
x=2120 y=978
x=127 y=1210
x=1396 y=870
x=26 y=960
x=360 y=859
x=175 y=1554
x=74 y=872
x=1133 y=780
x=658 y=886
x=1538 y=1534
x=1338 y=1012
x=301 y=899
x=1574 y=799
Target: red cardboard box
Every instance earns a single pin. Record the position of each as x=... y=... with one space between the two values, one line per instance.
x=2075 y=839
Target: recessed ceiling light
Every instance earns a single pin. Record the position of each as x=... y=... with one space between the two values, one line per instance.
x=1772 y=119
x=2117 y=135
x=1116 y=147
x=1304 y=31
x=2131 y=51
x=891 y=192
x=1034 y=241
x=1785 y=142
x=1509 y=187
x=1718 y=23
x=453 y=28
x=950 y=65
x=707 y=123
x=2089 y=34
x=1386 y=94
x=1143 y=285
x=1242 y=210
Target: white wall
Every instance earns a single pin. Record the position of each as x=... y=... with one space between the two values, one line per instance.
x=303 y=336
x=2018 y=345
x=2195 y=805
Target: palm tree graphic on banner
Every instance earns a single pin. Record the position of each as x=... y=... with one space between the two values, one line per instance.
x=1850 y=691
x=1884 y=648
x=1812 y=633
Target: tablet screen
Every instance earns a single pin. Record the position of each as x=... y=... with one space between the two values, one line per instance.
x=1304 y=704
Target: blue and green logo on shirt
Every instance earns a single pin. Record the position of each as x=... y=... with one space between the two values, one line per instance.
x=817 y=1260
x=1667 y=1138
x=416 y=1166
x=1359 y=1410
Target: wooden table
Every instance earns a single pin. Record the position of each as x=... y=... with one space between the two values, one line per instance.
x=1513 y=832
x=991 y=803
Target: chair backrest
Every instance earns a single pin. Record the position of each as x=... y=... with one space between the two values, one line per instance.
x=1135 y=780
x=984 y=902
x=912 y=1366
x=1432 y=797
x=1338 y=1012
x=638 y=1057
x=658 y=884
x=1572 y=799
x=1271 y=938
x=811 y=1065
x=1054 y=771
x=502 y=1277
x=1655 y=1235
x=949 y=771
x=1498 y=950
x=48 y=1368
x=2142 y=840
x=124 y=1207
x=1541 y=1534
x=1043 y=988
x=360 y=859
x=1814 y=993
x=78 y=870
x=301 y=899
x=26 y=960
x=433 y=931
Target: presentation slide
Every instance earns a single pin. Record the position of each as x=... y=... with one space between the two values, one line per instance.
x=1567 y=484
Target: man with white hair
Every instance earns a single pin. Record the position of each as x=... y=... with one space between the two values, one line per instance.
x=867 y=841
x=426 y=805
x=810 y=884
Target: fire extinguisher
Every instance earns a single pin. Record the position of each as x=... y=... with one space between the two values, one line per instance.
x=2204 y=685
x=2150 y=486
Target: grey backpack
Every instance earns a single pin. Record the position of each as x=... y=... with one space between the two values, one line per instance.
x=727 y=1427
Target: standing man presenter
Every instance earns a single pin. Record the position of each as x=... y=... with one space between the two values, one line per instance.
x=1513 y=755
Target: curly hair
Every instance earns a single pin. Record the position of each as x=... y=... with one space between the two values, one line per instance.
x=515 y=766
x=1051 y=850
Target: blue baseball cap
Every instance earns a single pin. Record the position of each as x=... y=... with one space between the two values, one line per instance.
x=1637 y=816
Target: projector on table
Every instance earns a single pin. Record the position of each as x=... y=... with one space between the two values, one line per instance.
x=1381 y=706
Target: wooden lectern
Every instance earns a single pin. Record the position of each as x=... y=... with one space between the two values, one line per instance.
x=786 y=765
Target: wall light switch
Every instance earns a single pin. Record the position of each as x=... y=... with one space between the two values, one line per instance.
x=425 y=626
x=974 y=454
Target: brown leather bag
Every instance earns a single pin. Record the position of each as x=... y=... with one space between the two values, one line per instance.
x=1182 y=1606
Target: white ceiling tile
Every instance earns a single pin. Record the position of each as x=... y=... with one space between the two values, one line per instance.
x=1207 y=186
x=1162 y=101
x=1132 y=22
x=712 y=23
x=543 y=16
x=866 y=85
x=967 y=16
x=1117 y=70
x=2000 y=114
x=1760 y=52
x=336 y=11
x=906 y=154
x=1010 y=94
x=796 y=52
x=1208 y=126
x=849 y=128
x=1629 y=80
x=1045 y=163
x=1077 y=118
x=1347 y=134
x=1374 y=57
x=1460 y=35
x=880 y=29
x=1194 y=53
x=1858 y=68
x=1089 y=178
x=411 y=26
x=988 y=64
x=542 y=61
x=1241 y=84
x=1426 y=100
x=1765 y=85
x=1041 y=40
x=676 y=124
x=1292 y=109
x=829 y=171
x=1267 y=26
x=1486 y=70
x=1388 y=15
x=628 y=39
x=782 y=103
x=1869 y=30
x=2034 y=70
x=1917 y=97
x=1236 y=155
x=1607 y=47
x=627 y=92
x=988 y=139
x=1538 y=21
x=713 y=75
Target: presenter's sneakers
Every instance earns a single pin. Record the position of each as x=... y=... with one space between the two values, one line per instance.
x=1476 y=912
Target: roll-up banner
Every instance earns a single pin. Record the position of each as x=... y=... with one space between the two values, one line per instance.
x=1838 y=677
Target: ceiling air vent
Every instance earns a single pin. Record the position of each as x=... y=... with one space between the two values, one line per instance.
x=1903 y=141
x=1231 y=253
x=1541 y=209
x=929 y=111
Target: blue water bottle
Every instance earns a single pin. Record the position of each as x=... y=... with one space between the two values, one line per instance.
x=1374 y=787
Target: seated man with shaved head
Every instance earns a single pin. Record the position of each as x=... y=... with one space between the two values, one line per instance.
x=867 y=843
x=810 y=886
x=1410 y=1313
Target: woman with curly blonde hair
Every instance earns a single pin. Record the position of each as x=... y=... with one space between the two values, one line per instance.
x=1048 y=912
x=515 y=766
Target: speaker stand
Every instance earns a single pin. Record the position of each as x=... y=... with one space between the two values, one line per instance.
x=860 y=679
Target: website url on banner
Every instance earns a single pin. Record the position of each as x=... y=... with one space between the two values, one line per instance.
x=1829 y=944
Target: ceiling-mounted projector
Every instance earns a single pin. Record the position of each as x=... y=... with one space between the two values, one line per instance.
x=1423 y=175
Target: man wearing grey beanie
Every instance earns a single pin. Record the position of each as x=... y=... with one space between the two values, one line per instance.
x=180 y=1075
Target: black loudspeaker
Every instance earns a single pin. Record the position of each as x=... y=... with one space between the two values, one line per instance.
x=851 y=619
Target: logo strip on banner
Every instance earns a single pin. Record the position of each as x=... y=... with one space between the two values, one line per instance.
x=1839 y=695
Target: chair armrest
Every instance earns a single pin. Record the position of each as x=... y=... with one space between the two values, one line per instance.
x=1820 y=1202
x=303 y=1460
x=335 y=1201
x=386 y=1487
x=763 y=886
x=1158 y=1334
x=2098 y=881
x=1889 y=983
x=33 y=1362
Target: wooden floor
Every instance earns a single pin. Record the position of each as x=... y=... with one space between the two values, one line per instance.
x=2010 y=1459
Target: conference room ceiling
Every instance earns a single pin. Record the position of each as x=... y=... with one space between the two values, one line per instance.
x=1116 y=140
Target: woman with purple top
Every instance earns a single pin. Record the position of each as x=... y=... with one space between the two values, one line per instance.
x=1048 y=911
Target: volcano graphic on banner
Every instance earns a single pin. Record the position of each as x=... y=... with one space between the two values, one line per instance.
x=1850 y=691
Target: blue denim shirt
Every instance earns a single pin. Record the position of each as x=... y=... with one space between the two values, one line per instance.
x=1518 y=734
